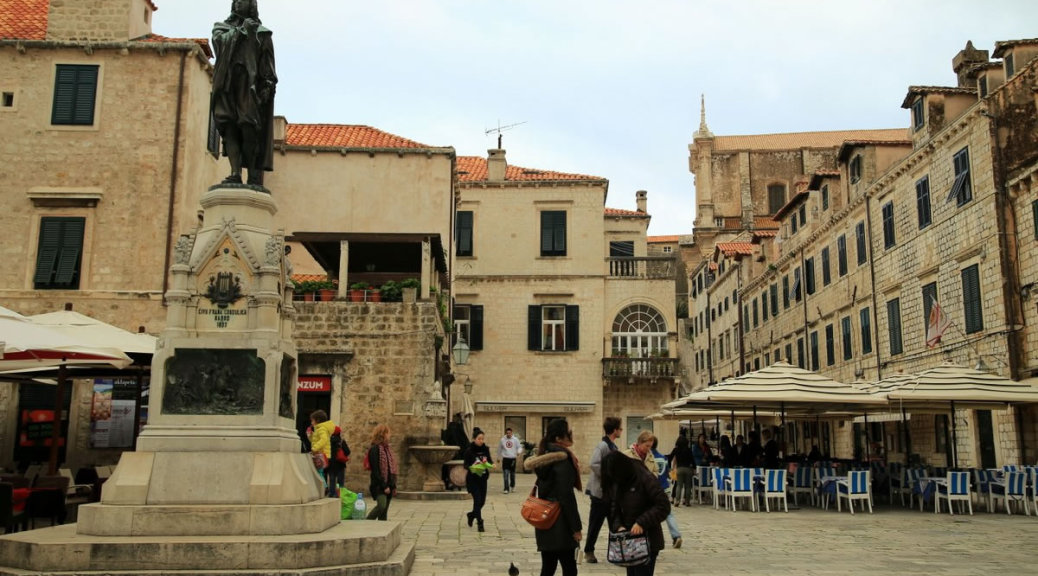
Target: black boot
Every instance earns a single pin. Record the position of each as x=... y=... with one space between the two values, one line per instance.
x=471 y=517
x=480 y=522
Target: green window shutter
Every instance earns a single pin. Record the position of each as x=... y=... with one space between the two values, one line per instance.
x=572 y=327
x=971 y=299
x=865 y=319
x=1034 y=210
x=533 y=328
x=47 y=253
x=58 y=256
x=929 y=297
x=894 y=326
x=463 y=233
x=75 y=92
x=476 y=327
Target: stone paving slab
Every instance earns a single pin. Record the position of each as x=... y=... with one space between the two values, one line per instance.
x=804 y=542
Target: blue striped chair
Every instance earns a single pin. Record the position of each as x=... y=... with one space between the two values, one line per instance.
x=982 y=480
x=855 y=487
x=719 y=490
x=912 y=476
x=741 y=486
x=956 y=489
x=1032 y=485
x=1013 y=488
x=775 y=487
x=803 y=483
x=703 y=482
x=1007 y=468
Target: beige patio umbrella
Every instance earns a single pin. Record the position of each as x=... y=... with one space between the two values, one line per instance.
x=93 y=330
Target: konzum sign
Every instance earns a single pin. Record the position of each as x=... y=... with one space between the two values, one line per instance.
x=315 y=384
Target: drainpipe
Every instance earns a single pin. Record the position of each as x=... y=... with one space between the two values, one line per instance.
x=739 y=330
x=173 y=170
x=803 y=288
x=872 y=278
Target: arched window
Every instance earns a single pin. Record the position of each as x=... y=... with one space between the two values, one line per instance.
x=776 y=197
x=639 y=331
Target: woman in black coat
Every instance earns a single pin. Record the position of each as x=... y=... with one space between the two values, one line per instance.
x=476 y=484
x=636 y=502
x=558 y=475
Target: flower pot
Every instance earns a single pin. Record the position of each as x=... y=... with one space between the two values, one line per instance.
x=356 y=295
x=409 y=294
x=308 y=297
x=328 y=294
x=374 y=296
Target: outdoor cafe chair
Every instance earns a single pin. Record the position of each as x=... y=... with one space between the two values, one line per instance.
x=775 y=487
x=802 y=483
x=719 y=490
x=911 y=486
x=9 y=518
x=982 y=480
x=703 y=483
x=1013 y=488
x=955 y=489
x=740 y=485
x=855 y=487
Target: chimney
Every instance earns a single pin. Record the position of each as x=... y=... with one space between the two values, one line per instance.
x=964 y=62
x=98 y=20
x=280 y=127
x=496 y=165
x=641 y=197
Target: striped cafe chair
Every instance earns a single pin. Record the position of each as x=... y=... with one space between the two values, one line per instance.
x=740 y=485
x=703 y=482
x=1013 y=488
x=719 y=491
x=775 y=487
x=912 y=476
x=957 y=489
x=802 y=484
x=1032 y=485
x=982 y=480
x=855 y=487
x=895 y=478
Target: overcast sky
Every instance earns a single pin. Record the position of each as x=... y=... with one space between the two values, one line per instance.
x=610 y=87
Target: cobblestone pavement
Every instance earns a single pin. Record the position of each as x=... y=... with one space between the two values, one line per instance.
x=807 y=541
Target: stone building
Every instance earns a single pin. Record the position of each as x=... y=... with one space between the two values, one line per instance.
x=890 y=224
x=564 y=311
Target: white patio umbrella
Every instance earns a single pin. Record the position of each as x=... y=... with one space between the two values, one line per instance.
x=89 y=329
x=29 y=346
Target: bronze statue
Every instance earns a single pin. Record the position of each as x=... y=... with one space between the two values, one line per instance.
x=243 y=91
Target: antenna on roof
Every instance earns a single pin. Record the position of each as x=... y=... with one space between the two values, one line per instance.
x=501 y=129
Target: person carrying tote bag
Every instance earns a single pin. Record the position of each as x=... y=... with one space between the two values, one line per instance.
x=637 y=505
x=558 y=475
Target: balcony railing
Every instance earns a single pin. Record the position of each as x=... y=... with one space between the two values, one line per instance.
x=647 y=368
x=642 y=268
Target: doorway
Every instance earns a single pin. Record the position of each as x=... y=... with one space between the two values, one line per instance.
x=312 y=393
x=986 y=438
x=634 y=427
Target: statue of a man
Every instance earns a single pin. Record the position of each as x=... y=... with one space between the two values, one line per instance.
x=243 y=91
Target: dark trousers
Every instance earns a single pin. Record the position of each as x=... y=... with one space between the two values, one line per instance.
x=478 y=488
x=508 y=472
x=334 y=476
x=551 y=559
x=643 y=570
x=381 y=509
x=595 y=518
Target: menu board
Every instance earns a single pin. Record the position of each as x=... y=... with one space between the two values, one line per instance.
x=112 y=409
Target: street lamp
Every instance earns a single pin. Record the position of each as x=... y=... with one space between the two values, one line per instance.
x=461 y=351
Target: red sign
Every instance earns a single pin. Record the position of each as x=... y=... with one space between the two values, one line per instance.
x=315 y=384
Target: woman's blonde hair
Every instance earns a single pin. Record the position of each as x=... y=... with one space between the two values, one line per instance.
x=379 y=434
x=645 y=436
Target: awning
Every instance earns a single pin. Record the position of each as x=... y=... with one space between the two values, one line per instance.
x=535 y=406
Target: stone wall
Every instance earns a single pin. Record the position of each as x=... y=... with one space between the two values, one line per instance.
x=98 y=20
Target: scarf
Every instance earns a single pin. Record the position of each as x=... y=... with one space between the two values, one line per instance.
x=386 y=462
x=576 y=465
x=637 y=451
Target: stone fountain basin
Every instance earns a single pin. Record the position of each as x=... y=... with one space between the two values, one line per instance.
x=430 y=455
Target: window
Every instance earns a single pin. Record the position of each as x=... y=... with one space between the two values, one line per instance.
x=826 y=275
x=888 y=225
x=1034 y=215
x=855 y=168
x=859 y=232
x=1010 y=65
x=841 y=254
x=554 y=327
x=776 y=197
x=830 y=345
x=982 y=86
x=789 y=353
x=814 y=350
x=745 y=317
x=640 y=331
x=803 y=215
x=59 y=253
x=754 y=312
x=553 y=233
x=929 y=297
x=764 y=306
x=7 y=100
x=793 y=225
x=767 y=358
x=894 y=326
x=917 y=114
x=795 y=289
x=801 y=361
x=668 y=249
x=866 y=331
x=845 y=335
x=75 y=89
x=622 y=262
x=785 y=291
x=961 y=189
x=971 y=299
x=774 y=300
x=809 y=275
x=922 y=201
x=463 y=233
x=468 y=323
x=825 y=197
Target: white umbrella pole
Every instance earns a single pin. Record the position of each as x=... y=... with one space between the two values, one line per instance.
x=55 y=433
x=955 y=451
x=908 y=437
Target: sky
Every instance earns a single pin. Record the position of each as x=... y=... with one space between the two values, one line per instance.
x=609 y=88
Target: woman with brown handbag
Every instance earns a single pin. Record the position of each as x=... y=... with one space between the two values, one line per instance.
x=558 y=475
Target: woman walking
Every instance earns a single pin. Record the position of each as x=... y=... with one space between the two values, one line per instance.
x=682 y=459
x=320 y=434
x=383 y=472
x=558 y=475
x=477 y=456
x=637 y=503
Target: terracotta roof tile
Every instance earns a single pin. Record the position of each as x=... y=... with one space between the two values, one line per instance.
x=713 y=266
x=765 y=223
x=297 y=278
x=621 y=212
x=735 y=248
x=203 y=42
x=663 y=239
x=797 y=140
x=474 y=169
x=914 y=91
x=765 y=233
x=827 y=173
x=344 y=136
x=23 y=19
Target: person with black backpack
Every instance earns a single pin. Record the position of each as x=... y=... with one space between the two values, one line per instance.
x=336 y=471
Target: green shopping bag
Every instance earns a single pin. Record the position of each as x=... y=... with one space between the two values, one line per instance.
x=348 y=498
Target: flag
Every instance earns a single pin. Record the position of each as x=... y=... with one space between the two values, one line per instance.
x=936 y=326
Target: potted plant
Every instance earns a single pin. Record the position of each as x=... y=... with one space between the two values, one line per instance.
x=357 y=291
x=307 y=288
x=328 y=290
x=409 y=289
x=390 y=291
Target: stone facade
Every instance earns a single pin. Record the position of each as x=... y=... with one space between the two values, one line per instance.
x=99 y=20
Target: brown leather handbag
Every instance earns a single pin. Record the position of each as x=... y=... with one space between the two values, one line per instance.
x=540 y=513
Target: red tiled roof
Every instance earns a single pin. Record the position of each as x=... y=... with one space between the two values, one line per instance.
x=203 y=42
x=827 y=173
x=621 y=212
x=797 y=140
x=344 y=136
x=23 y=19
x=735 y=248
x=765 y=233
x=474 y=169
x=298 y=278
x=663 y=239
x=764 y=223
